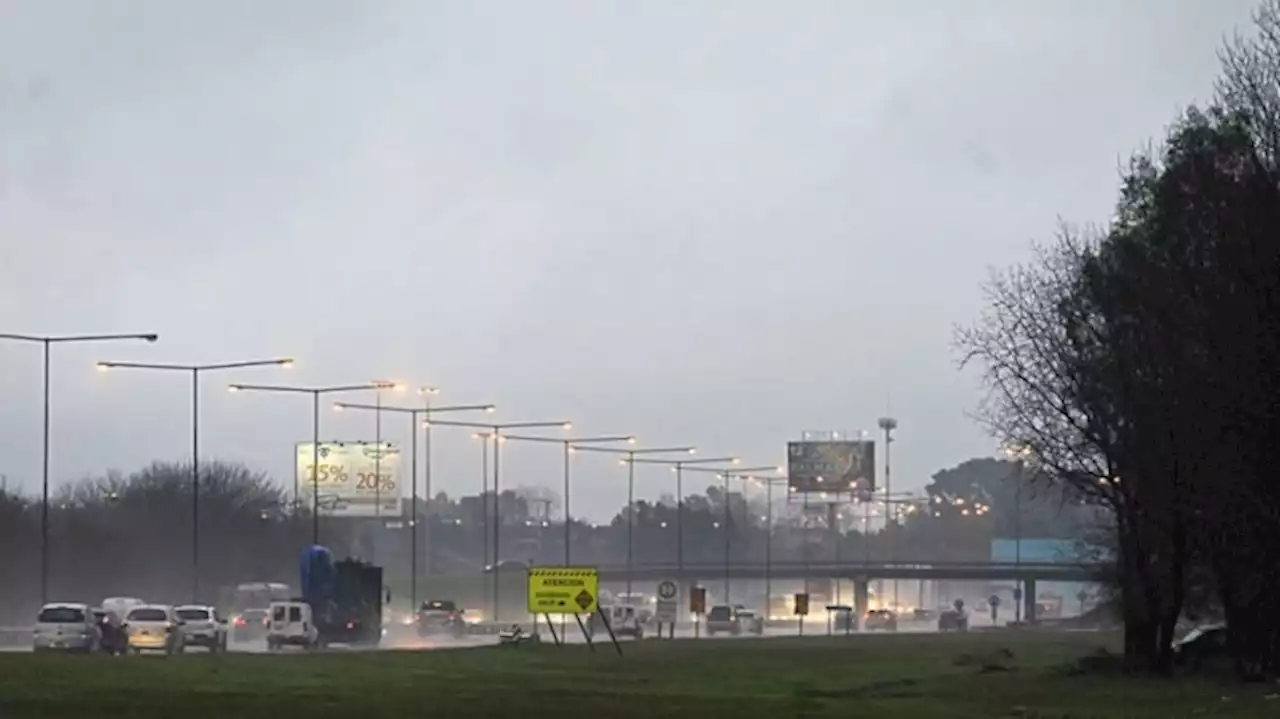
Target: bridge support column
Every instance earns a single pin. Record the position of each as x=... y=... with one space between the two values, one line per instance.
x=1029 y=600
x=860 y=603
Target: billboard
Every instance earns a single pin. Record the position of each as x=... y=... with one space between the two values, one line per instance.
x=354 y=479
x=833 y=466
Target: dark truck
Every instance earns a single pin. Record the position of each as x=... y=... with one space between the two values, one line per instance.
x=345 y=596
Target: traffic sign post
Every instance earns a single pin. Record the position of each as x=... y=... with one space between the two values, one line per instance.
x=567 y=590
x=668 y=606
x=697 y=607
x=802 y=609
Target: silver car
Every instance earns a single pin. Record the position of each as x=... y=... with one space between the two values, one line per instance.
x=66 y=627
x=202 y=627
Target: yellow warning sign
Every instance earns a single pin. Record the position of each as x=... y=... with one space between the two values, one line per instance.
x=563 y=590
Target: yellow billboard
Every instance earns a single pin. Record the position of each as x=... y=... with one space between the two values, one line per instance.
x=563 y=590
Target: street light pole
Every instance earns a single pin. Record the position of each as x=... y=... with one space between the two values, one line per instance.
x=568 y=446
x=496 y=431
x=888 y=424
x=677 y=466
x=315 y=393
x=413 y=413
x=46 y=342
x=195 y=372
x=727 y=474
x=629 y=459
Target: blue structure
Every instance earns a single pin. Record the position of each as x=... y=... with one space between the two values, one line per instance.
x=1045 y=551
x=315 y=567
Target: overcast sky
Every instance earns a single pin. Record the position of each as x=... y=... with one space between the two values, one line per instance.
x=714 y=223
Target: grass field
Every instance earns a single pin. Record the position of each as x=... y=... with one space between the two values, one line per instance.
x=873 y=676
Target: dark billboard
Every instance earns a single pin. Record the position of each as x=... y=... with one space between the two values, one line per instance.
x=831 y=466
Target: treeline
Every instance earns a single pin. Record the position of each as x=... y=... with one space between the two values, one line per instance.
x=132 y=534
x=1139 y=366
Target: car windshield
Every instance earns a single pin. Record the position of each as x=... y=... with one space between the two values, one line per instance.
x=60 y=615
x=436 y=605
x=197 y=615
x=719 y=614
x=148 y=615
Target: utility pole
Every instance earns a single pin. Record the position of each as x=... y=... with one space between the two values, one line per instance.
x=888 y=424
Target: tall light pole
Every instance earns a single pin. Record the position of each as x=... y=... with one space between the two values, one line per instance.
x=630 y=460
x=887 y=425
x=677 y=466
x=316 y=393
x=414 y=413
x=569 y=449
x=496 y=431
x=195 y=370
x=47 y=342
x=768 y=542
x=726 y=474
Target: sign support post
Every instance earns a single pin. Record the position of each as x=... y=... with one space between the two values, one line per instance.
x=612 y=637
x=585 y=634
x=554 y=637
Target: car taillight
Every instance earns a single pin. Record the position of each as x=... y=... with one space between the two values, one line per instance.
x=351 y=625
x=264 y=621
x=452 y=616
x=240 y=621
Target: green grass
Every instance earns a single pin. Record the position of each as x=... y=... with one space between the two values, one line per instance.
x=874 y=676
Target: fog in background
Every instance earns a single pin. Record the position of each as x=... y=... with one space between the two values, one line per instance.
x=708 y=223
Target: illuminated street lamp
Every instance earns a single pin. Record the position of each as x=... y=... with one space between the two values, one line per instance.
x=629 y=459
x=495 y=431
x=726 y=474
x=414 y=413
x=315 y=393
x=47 y=342
x=677 y=466
x=195 y=370
x=569 y=449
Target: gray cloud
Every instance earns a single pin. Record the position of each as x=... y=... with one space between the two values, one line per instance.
x=711 y=222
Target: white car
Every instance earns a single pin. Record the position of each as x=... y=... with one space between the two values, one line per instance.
x=66 y=627
x=291 y=624
x=120 y=606
x=154 y=628
x=201 y=627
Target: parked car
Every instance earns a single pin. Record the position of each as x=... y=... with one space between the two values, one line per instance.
x=66 y=627
x=249 y=625
x=437 y=616
x=154 y=628
x=113 y=638
x=202 y=627
x=751 y=622
x=1202 y=644
x=723 y=618
x=882 y=619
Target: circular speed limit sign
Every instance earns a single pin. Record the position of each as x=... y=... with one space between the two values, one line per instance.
x=667 y=590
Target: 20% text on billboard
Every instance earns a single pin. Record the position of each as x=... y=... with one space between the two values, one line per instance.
x=337 y=475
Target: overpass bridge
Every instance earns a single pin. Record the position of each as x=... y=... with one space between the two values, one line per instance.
x=859 y=570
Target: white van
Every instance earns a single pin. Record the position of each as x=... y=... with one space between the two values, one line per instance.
x=66 y=627
x=291 y=624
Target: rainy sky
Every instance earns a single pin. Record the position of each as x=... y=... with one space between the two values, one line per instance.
x=708 y=223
